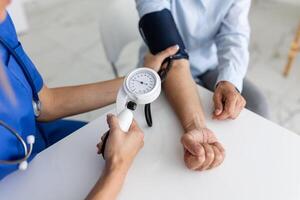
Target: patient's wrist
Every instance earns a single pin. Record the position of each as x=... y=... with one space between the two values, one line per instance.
x=196 y=123
x=180 y=64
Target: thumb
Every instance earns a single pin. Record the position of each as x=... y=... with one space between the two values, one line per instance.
x=218 y=104
x=113 y=122
x=135 y=129
x=168 y=52
x=134 y=126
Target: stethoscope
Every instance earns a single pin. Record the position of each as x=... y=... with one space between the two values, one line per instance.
x=36 y=104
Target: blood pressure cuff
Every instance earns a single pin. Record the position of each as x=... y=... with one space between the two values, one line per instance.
x=159 y=32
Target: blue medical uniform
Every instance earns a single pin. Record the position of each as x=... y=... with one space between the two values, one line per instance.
x=19 y=114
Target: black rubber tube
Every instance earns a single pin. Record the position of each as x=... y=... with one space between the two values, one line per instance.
x=148 y=114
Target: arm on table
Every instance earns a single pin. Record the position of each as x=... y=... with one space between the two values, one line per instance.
x=201 y=149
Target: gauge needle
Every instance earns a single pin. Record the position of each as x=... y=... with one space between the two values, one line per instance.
x=141 y=82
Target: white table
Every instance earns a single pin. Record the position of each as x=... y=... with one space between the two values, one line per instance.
x=262 y=163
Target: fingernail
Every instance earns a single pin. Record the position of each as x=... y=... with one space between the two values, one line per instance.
x=218 y=111
x=109 y=115
x=176 y=46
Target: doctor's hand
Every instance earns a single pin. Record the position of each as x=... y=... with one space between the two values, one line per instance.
x=228 y=101
x=202 y=151
x=155 y=61
x=121 y=147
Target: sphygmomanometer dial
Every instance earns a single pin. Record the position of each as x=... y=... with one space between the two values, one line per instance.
x=142 y=82
x=142 y=85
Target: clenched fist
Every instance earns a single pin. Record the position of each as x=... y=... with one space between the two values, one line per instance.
x=202 y=151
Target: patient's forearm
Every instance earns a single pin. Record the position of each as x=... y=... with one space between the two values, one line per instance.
x=181 y=91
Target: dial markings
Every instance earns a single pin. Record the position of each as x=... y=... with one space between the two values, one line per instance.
x=141 y=83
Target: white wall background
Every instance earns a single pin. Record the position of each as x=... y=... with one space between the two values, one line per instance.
x=17 y=13
x=290 y=1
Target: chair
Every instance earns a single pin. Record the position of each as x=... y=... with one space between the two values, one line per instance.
x=118 y=27
x=294 y=49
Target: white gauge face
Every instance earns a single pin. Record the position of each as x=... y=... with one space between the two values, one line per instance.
x=142 y=86
x=141 y=82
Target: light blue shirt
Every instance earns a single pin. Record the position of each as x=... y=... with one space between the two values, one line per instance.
x=215 y=32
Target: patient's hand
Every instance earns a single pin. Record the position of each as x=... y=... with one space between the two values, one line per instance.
x=228 y=101
x=202 y=151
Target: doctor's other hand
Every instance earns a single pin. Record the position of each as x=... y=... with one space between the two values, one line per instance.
x=228 y=101
x=155 y=61
x=202 y=151
x=121 y=148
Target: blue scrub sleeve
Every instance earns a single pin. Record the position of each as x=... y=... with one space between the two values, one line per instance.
x=57 y=130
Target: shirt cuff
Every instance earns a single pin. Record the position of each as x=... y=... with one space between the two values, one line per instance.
x=232 y=77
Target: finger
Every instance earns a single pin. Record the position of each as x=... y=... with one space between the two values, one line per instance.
x=244 y=103
x=209 y=157
x=238 y=109
x=113 y=122
x=168 y=52
x=230 y=104
x=229 y=108
x=218 y=158
x=134 y=126
x=136 y=132
x=218 y=103
x=193 y=162
x=191 y=142
x=99 y=147
x=135 y=129
x=209 y=136
x=221 y=150
x=103 y=136
x=220 y=147
x=221 y=156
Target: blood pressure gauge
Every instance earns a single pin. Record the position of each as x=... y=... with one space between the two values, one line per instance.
x=142 y=86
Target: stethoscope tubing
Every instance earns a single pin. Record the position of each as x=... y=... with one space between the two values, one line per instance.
x=23 y=68
x=26 y=152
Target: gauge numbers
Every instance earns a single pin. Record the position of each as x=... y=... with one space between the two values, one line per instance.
x=142 y=82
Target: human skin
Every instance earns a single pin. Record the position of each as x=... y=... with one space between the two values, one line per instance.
x=120 y=152
x=228 y=101
x=202 y=150
x=3 y=5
